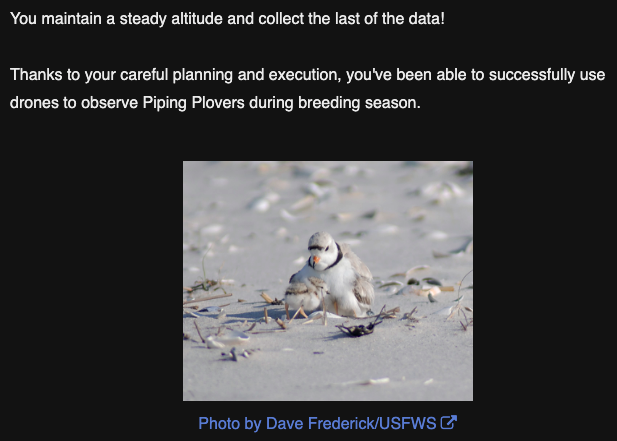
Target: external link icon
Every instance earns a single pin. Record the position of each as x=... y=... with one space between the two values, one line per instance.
x=447 y=422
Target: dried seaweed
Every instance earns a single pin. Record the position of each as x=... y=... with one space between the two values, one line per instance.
x=361 y=330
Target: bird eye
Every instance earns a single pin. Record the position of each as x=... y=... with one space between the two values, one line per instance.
x=328 y=247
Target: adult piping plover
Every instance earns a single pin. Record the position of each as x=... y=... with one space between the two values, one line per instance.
x=348 y=280
x=306 y=294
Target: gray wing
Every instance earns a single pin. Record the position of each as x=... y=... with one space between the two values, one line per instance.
x=358 y=266
x=363 y=288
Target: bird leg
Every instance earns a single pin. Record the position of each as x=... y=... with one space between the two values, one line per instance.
x=336 y=307
x=287 y=310
x=323 y=303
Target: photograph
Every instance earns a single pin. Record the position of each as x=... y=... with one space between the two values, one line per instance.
x=327 y=281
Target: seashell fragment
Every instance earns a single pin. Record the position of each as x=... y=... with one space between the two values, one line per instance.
x=445 y=311
x=259 y=205
x=212 y=343
x=440 y=191
x=466 y=248
x=431 y=281
x=304 y=203
x=392 y=283
x=438 y=255
x=436 y=235
x=211 y=230
x=311 y=320
x=231 y=337
x=416 y=268
x=289 y=217
x=328 y=314
x=434 y=291
x=407 y=289
x=342 y=217
x=272 y=197
x=313 y=189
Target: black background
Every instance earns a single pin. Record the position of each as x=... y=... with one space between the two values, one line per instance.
x=480 y=35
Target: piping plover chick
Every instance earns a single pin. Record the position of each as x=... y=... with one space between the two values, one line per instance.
x=348 y=280
x=308 y=293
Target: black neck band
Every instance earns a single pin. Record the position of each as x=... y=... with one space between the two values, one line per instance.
x=338 y=258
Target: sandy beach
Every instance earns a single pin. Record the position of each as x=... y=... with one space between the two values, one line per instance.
x=252 y=221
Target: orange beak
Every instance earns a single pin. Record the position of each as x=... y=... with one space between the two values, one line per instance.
x=316 y=259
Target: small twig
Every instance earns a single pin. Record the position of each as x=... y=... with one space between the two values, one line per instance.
x=207 y=298
x=266 y=297
x=461 y=284
x=266 y=314
x=188 y=289
x=454 y=309
x=252 y=326
x=299 y=309
x=389 y=314
x=281 y=323
x=197 y=327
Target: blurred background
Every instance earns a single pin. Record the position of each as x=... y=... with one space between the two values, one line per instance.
x=254 y=218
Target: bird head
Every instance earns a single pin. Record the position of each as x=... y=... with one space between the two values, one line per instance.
x=323 y=249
